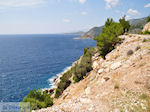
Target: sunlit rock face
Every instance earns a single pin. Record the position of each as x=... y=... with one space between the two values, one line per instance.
x=146 y=27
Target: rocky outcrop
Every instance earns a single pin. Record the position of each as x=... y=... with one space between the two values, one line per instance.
x=118 y=83
x=146 y=27
x=137 y=25
x=92 y=33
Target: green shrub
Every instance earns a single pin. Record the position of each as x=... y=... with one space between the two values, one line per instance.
x=38 y=99
x=86 y=49
x=107 y=40
x=144 y=96
x=146 y=32
x=130 y=52
x=137 y=48
x=116 y=86
x=79 y=71
x=148 y=19
x=62 y=85
x=125 y=24
x=58 y=93
x=84 y=66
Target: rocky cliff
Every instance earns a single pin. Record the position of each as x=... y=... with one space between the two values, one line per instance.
x=92 y=33
x=120 y=83
x=146 y=27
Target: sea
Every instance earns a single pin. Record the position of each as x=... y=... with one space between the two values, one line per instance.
x=32 y=61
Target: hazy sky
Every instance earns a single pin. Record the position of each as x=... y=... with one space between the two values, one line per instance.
x=57 y=16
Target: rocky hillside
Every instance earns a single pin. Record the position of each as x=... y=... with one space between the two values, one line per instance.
x=136 y=27
x=92 y=33
x=75 y=33
x=146 y=27
x=120 y=83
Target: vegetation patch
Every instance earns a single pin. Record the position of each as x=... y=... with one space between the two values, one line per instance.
x=146 y=32
x=148 y=19
x=78 y=72
x=137 y=48
x=109 y=37
x=146 y=40
x=116 y=86
x=131 y=102
x=38 y=99
x=130 y=52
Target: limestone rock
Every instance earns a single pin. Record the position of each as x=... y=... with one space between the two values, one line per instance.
x=85 y=100
x=106 y=78
x=100 y=70
x=107 y=70
x=101 y=60
x=148 y=83
x=97 y=93
x=95 y=64
x=116 y=65
x=116 y=110
x=97 y=54
x=87 y=90
x=146 y=27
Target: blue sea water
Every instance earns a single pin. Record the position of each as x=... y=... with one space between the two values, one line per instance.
x=28 y=61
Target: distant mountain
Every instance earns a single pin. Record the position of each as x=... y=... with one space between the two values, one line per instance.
x=136 y=27
x=75 y=33
x=92 y=33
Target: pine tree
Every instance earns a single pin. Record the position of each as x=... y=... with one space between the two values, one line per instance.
x=125 y=24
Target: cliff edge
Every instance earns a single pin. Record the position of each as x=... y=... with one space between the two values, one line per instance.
x=120 y=83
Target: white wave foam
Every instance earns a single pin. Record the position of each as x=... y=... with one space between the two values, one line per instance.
x=51 y=80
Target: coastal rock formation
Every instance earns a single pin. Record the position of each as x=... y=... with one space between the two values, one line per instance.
x=92 y=33
x=121 y=82
x=146 y=27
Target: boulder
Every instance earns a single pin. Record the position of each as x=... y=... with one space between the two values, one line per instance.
x=107 y=70
x=87 y=90
x=116 y=65
x=148 y=83
x=146 y=27
x=100 y=70
x=116 y=110
x=85 y=100
x=95 y=64
x=97 y=54
x=106 y=78
x=101 y=60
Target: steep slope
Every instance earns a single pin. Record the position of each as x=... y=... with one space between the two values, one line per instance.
x=121 y=83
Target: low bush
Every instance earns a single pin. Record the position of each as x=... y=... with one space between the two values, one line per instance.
x=86 y=49
x=146 y=32
x=130 y=52
x=148 y=19
x=38 y=100
x=137 y=48
x=116 y=86
x=84 y=66
x=79 y=71
x=144 y=96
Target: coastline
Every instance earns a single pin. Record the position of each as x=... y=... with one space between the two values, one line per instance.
x=53 y=82
x=81 y=38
